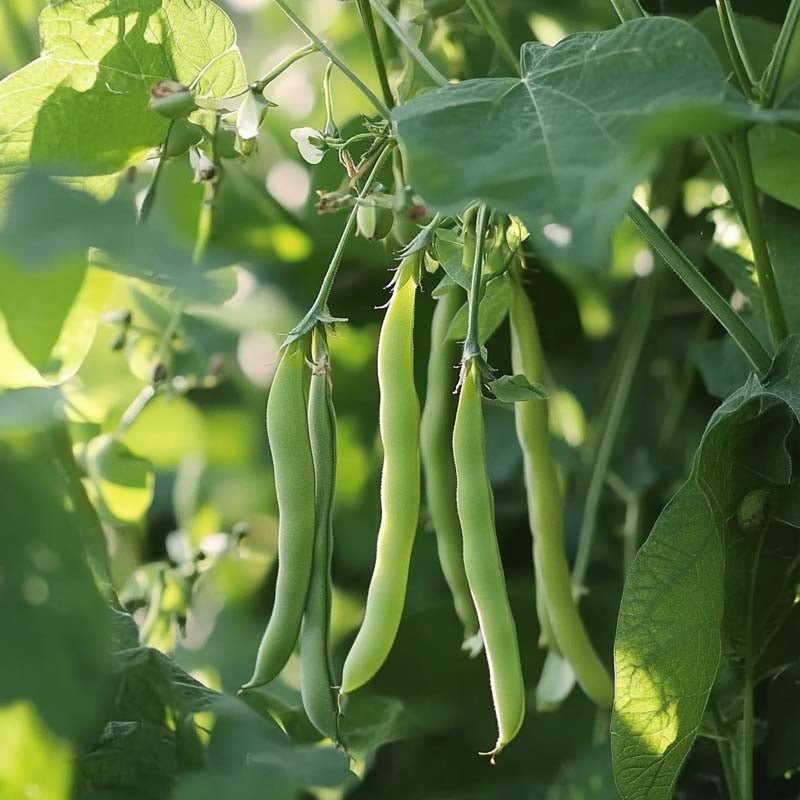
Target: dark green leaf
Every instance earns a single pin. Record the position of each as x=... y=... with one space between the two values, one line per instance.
x=564 y=147
x=55 y=626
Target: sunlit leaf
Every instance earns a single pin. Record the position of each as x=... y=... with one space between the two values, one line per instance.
x=84 y=103
x=684 y=604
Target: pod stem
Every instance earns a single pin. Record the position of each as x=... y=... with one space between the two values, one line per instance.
x=318 y=313
x=284 y=64
x=473 y=351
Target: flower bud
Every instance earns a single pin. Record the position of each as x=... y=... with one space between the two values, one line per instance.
x=172 y=100
x=251 y=114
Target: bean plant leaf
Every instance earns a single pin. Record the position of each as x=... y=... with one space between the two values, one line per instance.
x=491 y=312
x=564 y=147
x=683 y=606
x=84 y=103
x=55 y=621
x=516 y=388
x=123 y=481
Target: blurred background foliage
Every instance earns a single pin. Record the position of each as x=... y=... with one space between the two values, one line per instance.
x=184 y=490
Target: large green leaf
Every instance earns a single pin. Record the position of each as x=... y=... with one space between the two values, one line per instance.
x=54 y=628
x=84 y=103
x=565 y=146
x=685 y=601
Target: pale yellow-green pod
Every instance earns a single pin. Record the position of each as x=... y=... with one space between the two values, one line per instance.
x=400 y=488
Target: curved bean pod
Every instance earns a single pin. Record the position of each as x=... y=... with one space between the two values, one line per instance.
x=532 y=425
x=400 y=488
x=316 y=675
x=436 y=428
x=287 y=432
x=482 y=562
x=547 y=514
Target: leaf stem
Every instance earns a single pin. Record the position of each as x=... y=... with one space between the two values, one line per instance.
x=630 y=351
x=754 y=224
x=397 y=29
x=205 y=218
x=150 y=193
x=734 y=43
x=319 y=309
x=697 y=283
x=628 y=10
x=379 y=106
x=720 y=152
x=472 y=344
x=485 y=15
x=774 y=72
x=283 y=65
x=368 y=21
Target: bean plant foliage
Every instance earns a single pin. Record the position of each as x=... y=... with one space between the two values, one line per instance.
x=516 y=284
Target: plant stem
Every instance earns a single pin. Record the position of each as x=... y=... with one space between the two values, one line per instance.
x=630 y=349
x=210 y=189
x=397 y=29
x=150 y=193
x=721 y=156
x=357 y=82
x=746 y=770
x=319 y=309
x=472 y=344
x=775 y=68
x=734 y=43
x=714 y=302
x=753 y=222
x=368 y=21
x=628 y=9
x=725 y=754
x=485 y=15
x=283 y=65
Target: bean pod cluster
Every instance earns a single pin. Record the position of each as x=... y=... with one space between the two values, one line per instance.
x=448 y=443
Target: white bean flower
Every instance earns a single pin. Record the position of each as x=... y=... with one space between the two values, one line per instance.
x=310 y=143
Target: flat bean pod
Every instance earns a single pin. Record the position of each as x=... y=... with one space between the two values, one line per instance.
x=287 y=432
x=546 y=514
x=436 y=428
x=482 y=562
x=316 y=674
x=400 y=488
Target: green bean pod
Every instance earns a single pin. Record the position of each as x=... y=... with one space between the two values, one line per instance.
x=287 y=432
x=482 y=562
x=316 y=674
x=400 y=488
x=532 y=425
x=546 y=512
x=436 y=427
